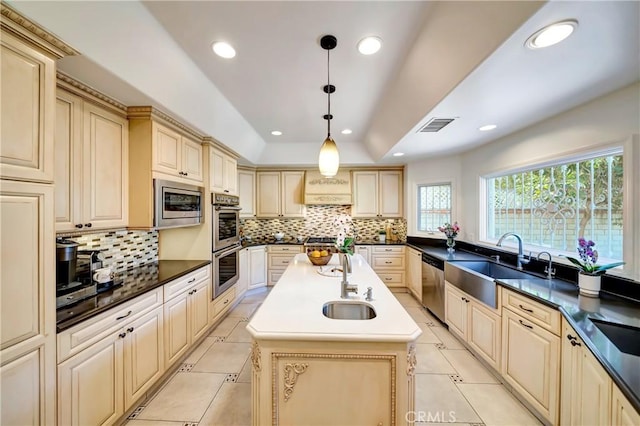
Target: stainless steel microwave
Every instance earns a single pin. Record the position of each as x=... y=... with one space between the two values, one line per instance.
x=177 y=204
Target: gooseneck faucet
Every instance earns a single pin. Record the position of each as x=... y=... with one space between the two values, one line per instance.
x=548 y=269
x=521 y=260
x=346 y=288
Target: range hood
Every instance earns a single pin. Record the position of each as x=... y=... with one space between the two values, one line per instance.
x=321 y=190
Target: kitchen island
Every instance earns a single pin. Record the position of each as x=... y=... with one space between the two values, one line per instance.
x=313 y=370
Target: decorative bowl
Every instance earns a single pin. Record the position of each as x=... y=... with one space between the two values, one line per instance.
x=278 y=235
x=319 y=261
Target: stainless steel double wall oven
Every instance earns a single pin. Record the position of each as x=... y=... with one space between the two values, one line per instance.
x=226 y=241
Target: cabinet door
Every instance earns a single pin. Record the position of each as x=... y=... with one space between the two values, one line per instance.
x=365 y=194
x=68 y=161
x=268 y=194
x=484 y=333
x=230 y=176
x=622 y=412
x=292 y=193
x=106 y=156
x=455 y=311
x=166 y=150
x=216 y=170
x=414 y=273
x=24 y=391
x=90 y=384
x=191 y=160
x=143 y=355
x=27 y=111
x=390 y=195
x=199 y=310
x=257 y=267
x=176 y=328
x=530 y=362
x=243 y=272
x=247 y=193
x=365 y=252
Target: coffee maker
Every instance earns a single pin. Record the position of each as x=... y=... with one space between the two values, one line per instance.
x=66 y=262
x=72 y=285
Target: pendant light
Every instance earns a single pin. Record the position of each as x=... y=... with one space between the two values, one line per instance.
x=329 y=159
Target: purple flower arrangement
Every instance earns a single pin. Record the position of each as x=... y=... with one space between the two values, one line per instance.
x=589 y=256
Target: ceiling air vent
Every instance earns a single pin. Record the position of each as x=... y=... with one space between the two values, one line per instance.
x=435 y=125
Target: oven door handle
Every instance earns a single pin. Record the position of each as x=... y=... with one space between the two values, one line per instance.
x=231 y=208
x=228 y=251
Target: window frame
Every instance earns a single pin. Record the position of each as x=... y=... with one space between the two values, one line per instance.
x=416 y=210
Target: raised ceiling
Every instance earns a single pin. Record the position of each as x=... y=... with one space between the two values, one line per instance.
x=463 y=60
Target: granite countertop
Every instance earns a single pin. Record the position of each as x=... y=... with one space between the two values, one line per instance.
x=624 y=368
x=301 y=293
x=128 y=285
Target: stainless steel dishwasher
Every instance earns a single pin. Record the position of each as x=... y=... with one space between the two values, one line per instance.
x=433 y=285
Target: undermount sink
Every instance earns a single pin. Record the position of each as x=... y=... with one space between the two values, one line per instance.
x=348 y=310
x=476 y=278
x=624 y=337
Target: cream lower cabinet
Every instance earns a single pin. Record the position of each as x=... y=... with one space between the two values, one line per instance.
x=414 y=272
x=475 y=323
x=585 y=385
x=27 y=304
x=531 y=354
x=97 y=385
x=186 y=317
x=278 y=258
x=622 y=412
x=389 y=264
x=257 y=267
x=365 y=252
x=91 y=156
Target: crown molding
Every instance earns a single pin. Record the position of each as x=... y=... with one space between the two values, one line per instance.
x=152 y=113
x=89 y=93
x=20 y=26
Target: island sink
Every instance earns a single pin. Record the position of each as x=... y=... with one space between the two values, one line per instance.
x=348 y=311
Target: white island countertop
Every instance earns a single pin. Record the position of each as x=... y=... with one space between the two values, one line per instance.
x=293 y=309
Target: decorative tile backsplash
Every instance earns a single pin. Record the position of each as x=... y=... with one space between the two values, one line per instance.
x=318 y=222
x=122 y=249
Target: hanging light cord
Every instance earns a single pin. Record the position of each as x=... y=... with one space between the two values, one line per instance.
x=328 y=98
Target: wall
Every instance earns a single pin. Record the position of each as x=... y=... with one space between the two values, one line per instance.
x=318 y=222
x=604 y=122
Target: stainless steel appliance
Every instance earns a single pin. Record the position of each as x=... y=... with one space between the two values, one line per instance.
x=177 y=204
x=433 y=285
x=66 y=261
x=226 y=221
x=321 y=243
x=226 y=264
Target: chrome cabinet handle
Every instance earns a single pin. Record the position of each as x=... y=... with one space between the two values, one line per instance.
x=124 y=316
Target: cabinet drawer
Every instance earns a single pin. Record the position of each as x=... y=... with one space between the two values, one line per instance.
x=77 y=338
x=176 y=287
x=223 y=302
x=280 y=261
x=386 y=249
x=274 y=276
x=545 y=316
x=284 y=249
x=387 y=262
x=392 y=279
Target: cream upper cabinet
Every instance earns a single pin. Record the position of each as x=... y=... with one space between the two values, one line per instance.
x=27 y=111
x=585 y=385
x=531 y=362
x=414 y=272
x=27 y=304
x=247 y=192
x=91 y=156
x=280 y=194
x=223 y=172
x=377 y=193
x=176 y=155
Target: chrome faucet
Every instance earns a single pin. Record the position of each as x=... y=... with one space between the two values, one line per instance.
x=521 y=260
x=346 y=288
x=548 y=269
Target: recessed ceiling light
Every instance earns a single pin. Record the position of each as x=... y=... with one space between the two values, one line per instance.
x=276 y=133
x=551 y=34
x=369 y=45
x=487 y=127
x=398 y=154
x=223 y=49
x=346 y=132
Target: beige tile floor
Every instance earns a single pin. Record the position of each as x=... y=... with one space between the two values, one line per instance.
x=213 y=385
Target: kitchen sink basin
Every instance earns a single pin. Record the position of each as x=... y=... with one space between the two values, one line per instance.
x=348 y=310
x=477 y=278
x=624 y=337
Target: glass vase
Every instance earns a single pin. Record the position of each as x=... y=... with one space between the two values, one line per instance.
x=451 y=242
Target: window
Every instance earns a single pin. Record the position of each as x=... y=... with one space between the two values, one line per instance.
x=434 y=206
x=551 y=207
